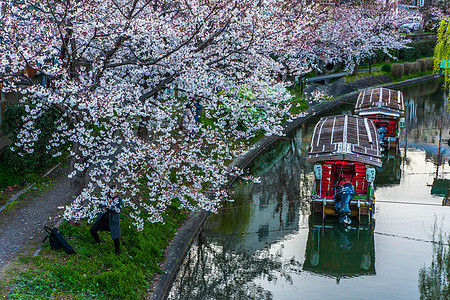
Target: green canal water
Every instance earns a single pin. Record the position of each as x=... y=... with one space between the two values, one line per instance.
x=266 y=245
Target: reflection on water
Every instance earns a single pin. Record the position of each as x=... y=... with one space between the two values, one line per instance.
x=269 y=210
x=234 y=248
x=217 y=271
x=265 y=246
x=390 y=172
x=427 y=118
x=338 y=251
x=434 y=281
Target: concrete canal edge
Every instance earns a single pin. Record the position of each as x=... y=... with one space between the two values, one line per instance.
x=188 y=232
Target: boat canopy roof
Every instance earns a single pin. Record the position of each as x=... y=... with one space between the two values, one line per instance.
x=345 y=137
x=380 y=101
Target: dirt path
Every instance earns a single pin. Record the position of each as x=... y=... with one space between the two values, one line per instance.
x=22 y=222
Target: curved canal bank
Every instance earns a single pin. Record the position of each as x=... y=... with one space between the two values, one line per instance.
x=266 y=244
x=188 y=232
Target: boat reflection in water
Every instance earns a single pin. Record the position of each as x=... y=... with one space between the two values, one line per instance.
x=339 y=251
x=390 y=172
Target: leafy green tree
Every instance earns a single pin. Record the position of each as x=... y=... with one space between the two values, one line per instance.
x=442 y=50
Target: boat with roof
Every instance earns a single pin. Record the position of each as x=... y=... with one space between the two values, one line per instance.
x=344 y=150
x=386 y=108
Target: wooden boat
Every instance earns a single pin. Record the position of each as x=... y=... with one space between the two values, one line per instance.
x=386 y=108
x=344 y=147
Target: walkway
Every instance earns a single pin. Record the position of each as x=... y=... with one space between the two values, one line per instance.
x=326 y=77
x=22 y=222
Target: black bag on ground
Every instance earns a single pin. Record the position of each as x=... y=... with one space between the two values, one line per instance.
x=57 y=241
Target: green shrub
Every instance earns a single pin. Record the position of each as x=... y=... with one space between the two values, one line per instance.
x=2 y=198
x=415 y=67
x=386 y=68
x=425 y=64
x=408 y=54
x=407 y=68
x=424 y=48
x=416 y=50
x=430 y=63
x=397 y=70
x=8 y=178
x=422 y=64
x=411 y=68
x=40 y=159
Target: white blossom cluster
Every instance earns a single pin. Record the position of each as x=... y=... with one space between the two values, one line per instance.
x=118 y=70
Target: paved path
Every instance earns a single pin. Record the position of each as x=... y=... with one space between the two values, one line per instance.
x=22 y=222
x=326 y=77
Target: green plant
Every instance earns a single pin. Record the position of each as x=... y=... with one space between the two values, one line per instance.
x=95 y=272
x=397 y=70
x=415 y=67
x=442 y=51
x=8 y=178
x=2 y=198
x=407 y=68
x=425 y=64
x=386 y=68
x=20 y=162
x=430 y=62
x=414 y=51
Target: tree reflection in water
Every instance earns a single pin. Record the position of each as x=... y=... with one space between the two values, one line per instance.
x=213 y=271
x=434 y=281
x=235 y=248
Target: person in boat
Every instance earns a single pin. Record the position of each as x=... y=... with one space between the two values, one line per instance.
x=342 y=237
x=198 y=110
x=343 y=194
x=382 y=131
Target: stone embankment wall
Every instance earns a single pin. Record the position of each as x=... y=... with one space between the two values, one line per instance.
x=189 y=231
x=422 y=37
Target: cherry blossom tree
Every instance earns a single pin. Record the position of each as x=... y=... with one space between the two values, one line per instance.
x=121 y=71
x=354 y=32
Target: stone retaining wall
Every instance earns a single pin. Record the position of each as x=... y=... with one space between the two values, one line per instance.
x=186 y=235
x=422 y=37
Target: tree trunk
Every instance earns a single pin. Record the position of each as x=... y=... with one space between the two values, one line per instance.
x=355 y=70
x=142 y=129
x=79 y=180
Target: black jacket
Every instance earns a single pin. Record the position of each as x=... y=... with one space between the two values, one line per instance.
x=112 y=214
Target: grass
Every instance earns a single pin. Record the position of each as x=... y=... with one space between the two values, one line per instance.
x=95 y=272
x=352 y=78
x=8 y=178
x=413 y=75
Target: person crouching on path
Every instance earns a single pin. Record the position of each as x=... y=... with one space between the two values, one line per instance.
x=109 y=220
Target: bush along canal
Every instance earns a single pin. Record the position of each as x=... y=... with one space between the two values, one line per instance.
x=266 y=244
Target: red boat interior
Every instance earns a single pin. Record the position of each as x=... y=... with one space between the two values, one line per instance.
x=332 y=171
x=390 y=125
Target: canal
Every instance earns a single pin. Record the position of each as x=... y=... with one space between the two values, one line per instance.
x=266 y=245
